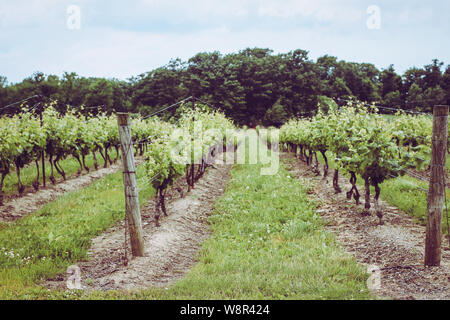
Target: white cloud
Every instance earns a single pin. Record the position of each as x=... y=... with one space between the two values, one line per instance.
x=23 y=13
x=422 y=14
x=323 y=10
x=199 y=9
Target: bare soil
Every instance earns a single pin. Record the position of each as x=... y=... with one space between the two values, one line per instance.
x=18 y=206
x=396 y=248
x=170 y=250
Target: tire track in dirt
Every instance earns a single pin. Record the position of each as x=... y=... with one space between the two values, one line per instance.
x=30 y=202
x=397 y=247
x=170 y=250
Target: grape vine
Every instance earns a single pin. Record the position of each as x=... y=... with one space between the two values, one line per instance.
x=363 y=143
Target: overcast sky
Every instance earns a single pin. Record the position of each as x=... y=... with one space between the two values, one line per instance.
x=121 y=39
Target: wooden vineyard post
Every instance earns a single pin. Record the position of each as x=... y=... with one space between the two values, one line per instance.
x=436 y=193
x=133 y=213
x=43 y=150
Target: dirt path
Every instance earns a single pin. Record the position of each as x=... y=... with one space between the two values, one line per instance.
x=31 y=201
x=170 y=249
x=397 y=247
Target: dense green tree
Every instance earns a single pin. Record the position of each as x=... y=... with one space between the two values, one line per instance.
x=411 y=76
x=393 y=99
x=3 y=91
x=433 y=96
x=300 y=86
x=158 y=88
x=414 y=98
x=100 y=93
x=391 y=84
x=433 y=74
x=340 y=79
x=277 y=115
x=446 y=84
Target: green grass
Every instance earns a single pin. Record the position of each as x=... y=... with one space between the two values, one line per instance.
x=403 y=192
x=447 y=162
x=45 y=243
x=70 y=166
x=266 y=245
x=406 y=193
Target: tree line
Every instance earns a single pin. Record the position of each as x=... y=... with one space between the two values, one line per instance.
x=253 y=86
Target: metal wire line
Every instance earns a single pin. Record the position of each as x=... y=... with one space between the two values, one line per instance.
x=177 y=103
x=18 y=102
x=211 y=106
x=402 y=110
x=147 y=182
x=408 y=182
x=143 y=141
x=95 y=107
x=417 y=176
x=390 y=120
x=157 y=112
x=383 y=107
x=34 y=107
x=166 y=108
x=425 y=190
x=420 y=101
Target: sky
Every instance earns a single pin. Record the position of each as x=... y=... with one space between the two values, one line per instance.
x=121 y=39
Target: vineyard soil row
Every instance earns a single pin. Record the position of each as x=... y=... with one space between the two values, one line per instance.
x=171 y=248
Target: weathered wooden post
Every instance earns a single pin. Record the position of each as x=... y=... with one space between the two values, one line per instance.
x=436 y=193
x=41 y=109
x=133 y=213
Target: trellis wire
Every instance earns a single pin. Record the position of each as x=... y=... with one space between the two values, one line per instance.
x=384 y=107
x=147 y=182
x=18 y=102
x=167 y=108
